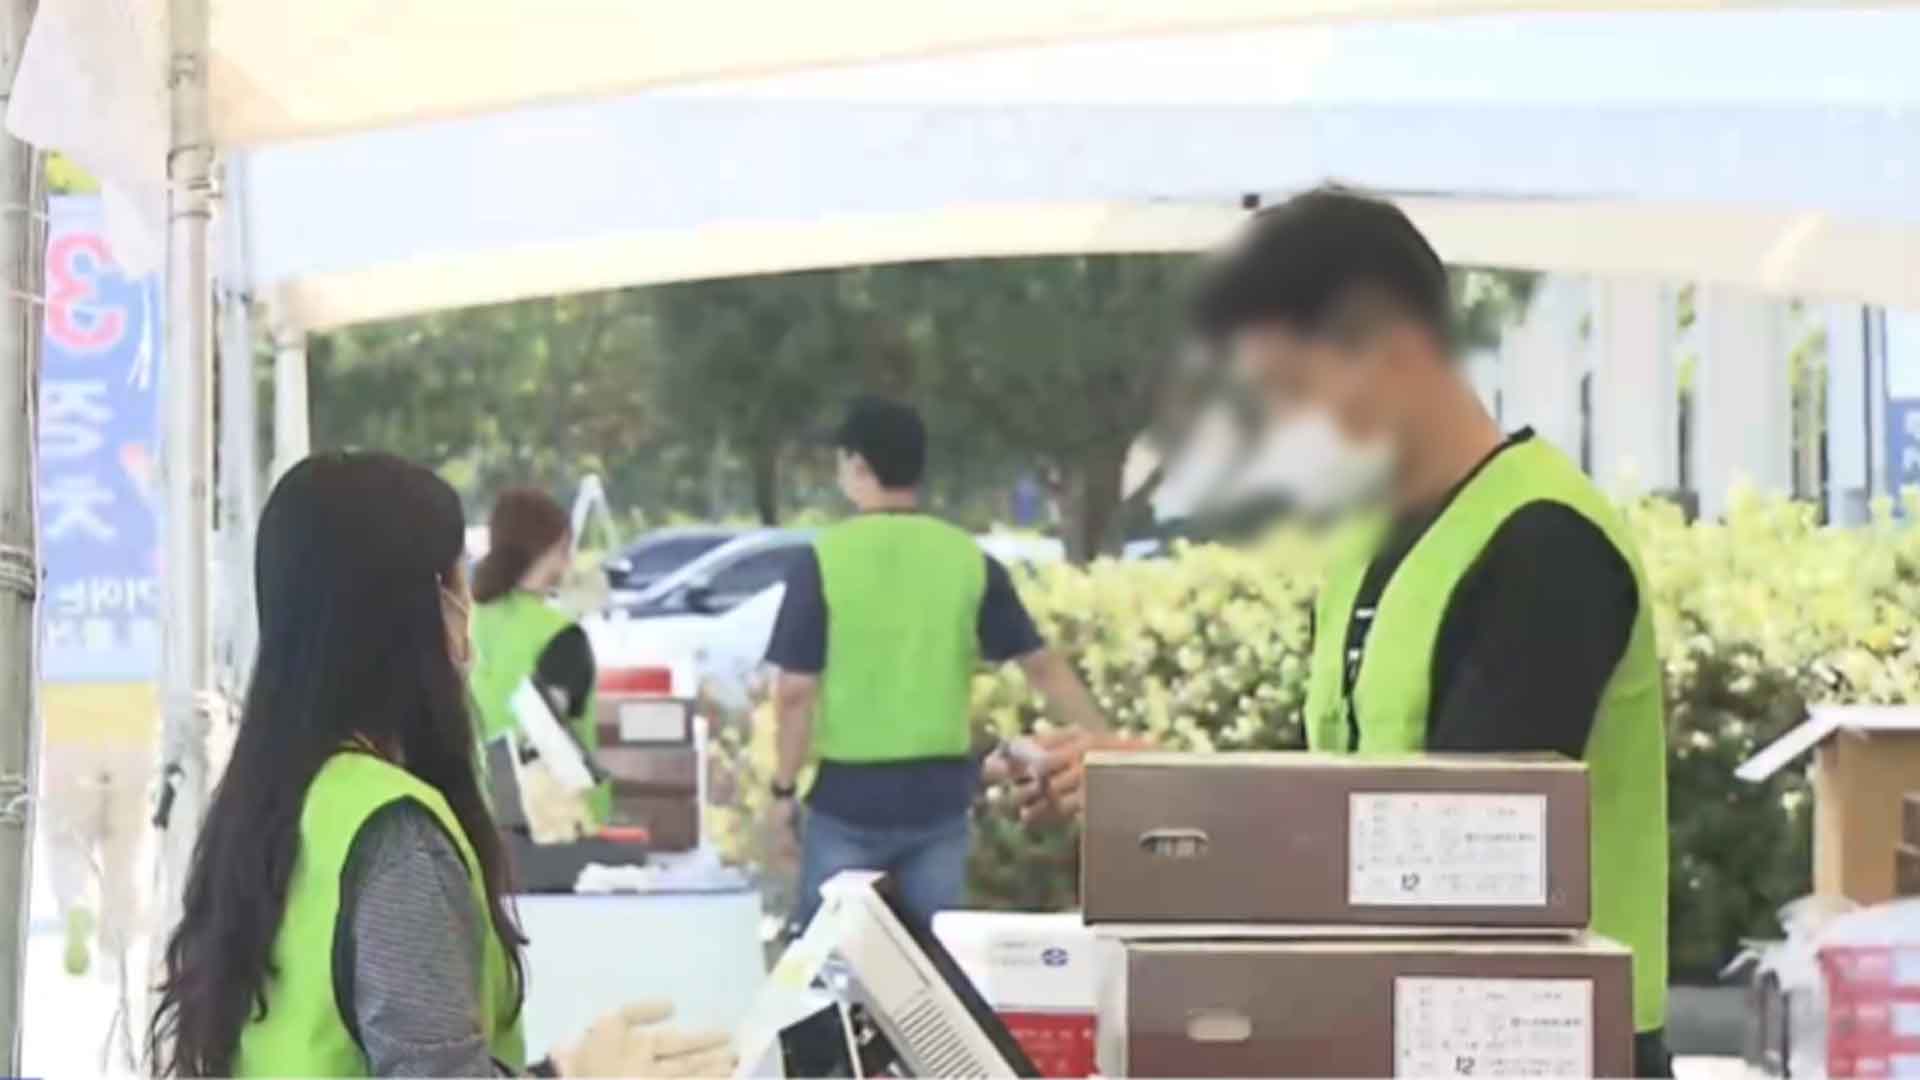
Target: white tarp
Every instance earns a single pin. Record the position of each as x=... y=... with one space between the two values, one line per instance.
x=94 y=79
x=91 y=84
x=597 y=195
x=1808 y=254
x=283 y=70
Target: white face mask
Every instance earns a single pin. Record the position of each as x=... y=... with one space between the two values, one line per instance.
x=1308 y=460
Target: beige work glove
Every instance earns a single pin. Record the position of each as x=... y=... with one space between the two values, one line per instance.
x=633 y=1042
x=554 y=814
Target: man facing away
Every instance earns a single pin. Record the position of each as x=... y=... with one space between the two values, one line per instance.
x=1484 y=596
x=877 y=640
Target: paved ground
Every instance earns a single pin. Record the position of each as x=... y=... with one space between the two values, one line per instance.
x=1712 y=1068
x=1708 y=1020
x=67 y=1019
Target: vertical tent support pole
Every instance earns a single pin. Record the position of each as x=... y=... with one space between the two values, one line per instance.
x=22 y=251
x=239 y=472
x=186 y=380
x=1743 y=394
x=291 y=435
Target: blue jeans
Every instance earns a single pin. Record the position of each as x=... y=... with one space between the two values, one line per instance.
x=928 y=863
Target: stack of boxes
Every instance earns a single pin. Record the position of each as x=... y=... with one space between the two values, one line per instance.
x=1301 y=915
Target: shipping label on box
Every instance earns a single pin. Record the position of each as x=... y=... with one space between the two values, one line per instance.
x=1492 y=1027
x=1441 y=850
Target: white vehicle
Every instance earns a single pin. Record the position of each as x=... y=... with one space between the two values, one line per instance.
x=684 y=654
x=718 y=581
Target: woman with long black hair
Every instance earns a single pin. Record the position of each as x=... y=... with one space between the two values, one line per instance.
x=346 y=913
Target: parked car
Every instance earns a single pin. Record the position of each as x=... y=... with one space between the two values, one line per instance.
x=720 y=580
x=661 y=552
x=685 y=654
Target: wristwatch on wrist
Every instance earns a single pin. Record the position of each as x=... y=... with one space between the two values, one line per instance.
x=784 y=791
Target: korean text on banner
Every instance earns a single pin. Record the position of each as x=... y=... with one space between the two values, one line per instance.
x=98 y=461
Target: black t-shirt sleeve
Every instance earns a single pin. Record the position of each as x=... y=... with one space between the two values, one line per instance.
x=799 y=640
x=1006 y=629
x=1534 y=632
x=566 y=664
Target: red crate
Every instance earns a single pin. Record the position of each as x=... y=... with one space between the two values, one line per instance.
x=1060 y=1044
x=1889 y=971
x=1873 y=1010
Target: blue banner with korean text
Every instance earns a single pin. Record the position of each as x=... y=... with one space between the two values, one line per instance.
x=99 y=481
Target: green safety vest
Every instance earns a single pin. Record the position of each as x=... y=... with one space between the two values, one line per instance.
x=1626 y=751
x=903 y=604
x=509 y=634
x=303 y=1033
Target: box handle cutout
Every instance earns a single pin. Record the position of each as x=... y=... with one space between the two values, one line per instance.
x=1219 y=1026
x=1174 y=843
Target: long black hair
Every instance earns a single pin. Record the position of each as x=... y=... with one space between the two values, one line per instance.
x=353 y=556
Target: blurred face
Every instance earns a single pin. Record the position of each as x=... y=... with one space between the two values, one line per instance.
x=1352 y=383
x=856 y=479
x=550 y=569
x=1337 y=407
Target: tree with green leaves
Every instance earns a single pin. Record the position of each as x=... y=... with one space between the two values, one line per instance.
x=753 y=368
x=1061 y=361
x=709 y=398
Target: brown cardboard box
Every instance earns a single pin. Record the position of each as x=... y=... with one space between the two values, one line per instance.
x=1462 y=841
x=1910 y=819
x=672 y=819
x=1866 y=757
x=1366 y=1007
x=1906 y=870
x=646 y=743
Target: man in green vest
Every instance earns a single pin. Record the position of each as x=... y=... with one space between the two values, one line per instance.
x=1482 y=596
x=879 y=634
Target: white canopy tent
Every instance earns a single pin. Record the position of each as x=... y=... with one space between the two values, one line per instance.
x=366 y=227
x=280 y=71
x=400 y=152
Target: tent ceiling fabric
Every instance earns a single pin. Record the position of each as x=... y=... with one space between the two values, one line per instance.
x=592 y=178
x=288 y=70
x=284 y=70
x=394 y=134
x=1803 y=57
x=603 y=260
x=1807 y=254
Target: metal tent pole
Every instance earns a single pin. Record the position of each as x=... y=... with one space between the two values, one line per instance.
x=292 y=438
x=239 y=472
x=22 y=251
x=186 y=668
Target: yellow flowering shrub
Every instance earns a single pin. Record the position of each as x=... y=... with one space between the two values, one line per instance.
x=1757 y=617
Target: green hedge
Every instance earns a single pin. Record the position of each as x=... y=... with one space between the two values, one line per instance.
x=1757 y=617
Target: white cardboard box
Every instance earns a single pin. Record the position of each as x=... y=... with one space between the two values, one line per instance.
x=1038 y=973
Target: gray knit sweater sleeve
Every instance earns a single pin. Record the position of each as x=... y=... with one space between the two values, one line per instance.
x=408 y=949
